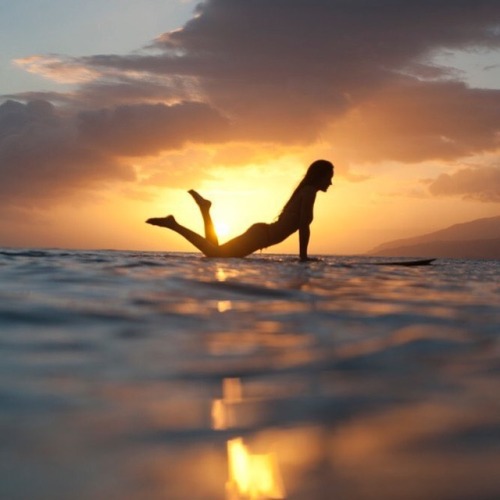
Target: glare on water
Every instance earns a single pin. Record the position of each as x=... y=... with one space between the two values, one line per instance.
x=251 y=476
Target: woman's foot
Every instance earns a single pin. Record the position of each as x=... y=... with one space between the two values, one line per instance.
x=200 y=201
x=167 y=221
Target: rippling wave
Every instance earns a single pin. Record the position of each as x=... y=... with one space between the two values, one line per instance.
x=365 y=382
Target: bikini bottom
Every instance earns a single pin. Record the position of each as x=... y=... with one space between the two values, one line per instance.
x=260 y=233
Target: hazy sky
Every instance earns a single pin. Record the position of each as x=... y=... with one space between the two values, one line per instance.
x=111 y=110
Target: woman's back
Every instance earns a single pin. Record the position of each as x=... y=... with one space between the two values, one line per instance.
x=299 y=205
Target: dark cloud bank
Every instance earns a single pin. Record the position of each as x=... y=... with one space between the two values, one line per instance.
x=280 y=70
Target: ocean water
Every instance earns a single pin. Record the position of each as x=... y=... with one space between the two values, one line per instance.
x=128 y=375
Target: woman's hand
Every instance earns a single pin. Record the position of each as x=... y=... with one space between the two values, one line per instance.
x=309 y=259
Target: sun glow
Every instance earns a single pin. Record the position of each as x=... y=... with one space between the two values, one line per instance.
x=222 y=229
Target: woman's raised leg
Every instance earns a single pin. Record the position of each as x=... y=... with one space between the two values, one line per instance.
x=204 y=206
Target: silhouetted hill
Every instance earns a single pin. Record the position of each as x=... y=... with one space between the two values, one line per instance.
x=477 y=239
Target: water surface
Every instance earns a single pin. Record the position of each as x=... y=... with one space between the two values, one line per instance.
x=360 y=381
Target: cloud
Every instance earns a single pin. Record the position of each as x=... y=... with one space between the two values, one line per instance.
x=491 y=67
x=412 y=122
x=147 y=129
x=285 y=69
x=479 y=184
x=42 y=158
x=357 y=73
x=57 y=68
x=45 y=156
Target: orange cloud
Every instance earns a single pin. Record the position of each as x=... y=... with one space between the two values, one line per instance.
x=45 y=156
x=57 y=68
x=146 y=129
x=481 y=184
x=413 y=121
x=43 y=160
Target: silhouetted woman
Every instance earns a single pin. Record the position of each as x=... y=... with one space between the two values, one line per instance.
x=296 y=215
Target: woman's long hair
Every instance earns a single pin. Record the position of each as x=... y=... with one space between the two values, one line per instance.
x=315 y=173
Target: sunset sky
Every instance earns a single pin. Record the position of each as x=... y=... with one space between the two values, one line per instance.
x=110 y=110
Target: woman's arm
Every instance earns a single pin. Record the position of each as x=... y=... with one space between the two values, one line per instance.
x=306 y=217
x=304 y=233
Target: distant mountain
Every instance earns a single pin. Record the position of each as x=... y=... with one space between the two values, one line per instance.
x=477 y=239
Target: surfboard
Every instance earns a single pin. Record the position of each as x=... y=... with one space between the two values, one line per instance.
x=420 y=262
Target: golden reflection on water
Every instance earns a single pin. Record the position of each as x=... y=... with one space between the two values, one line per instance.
x=220 y=274
x=224 y=305
x=222 y=409
x=250 y=475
